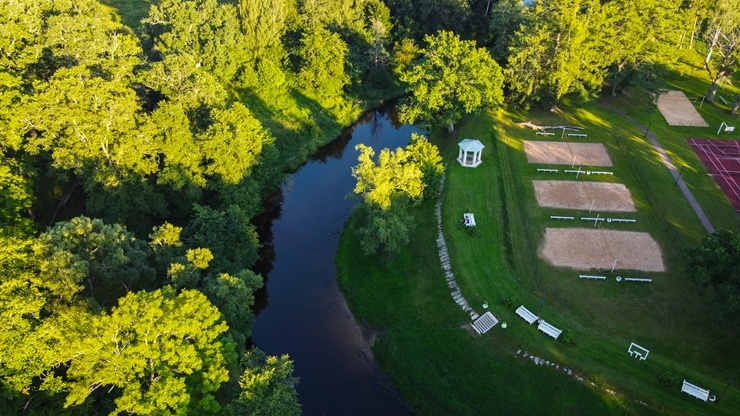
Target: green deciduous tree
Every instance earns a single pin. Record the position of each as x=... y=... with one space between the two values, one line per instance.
x=322 y=69
x=559 y=49
x=157 y=352
x=106 y=260
x=227 y=234
x=394 y=174
x=267 y=387
x=233 y=295
x=209 y=31
x=426 y=156
x=383 y=232
x=635 y=31
x=505 y=18
x=15 y=197
x=452 y=78
x=722 y=39
x=716 y=264
x=28 y=331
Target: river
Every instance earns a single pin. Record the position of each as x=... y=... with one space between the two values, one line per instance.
x=302 y=312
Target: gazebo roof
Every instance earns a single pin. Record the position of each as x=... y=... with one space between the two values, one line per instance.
x=471 y=145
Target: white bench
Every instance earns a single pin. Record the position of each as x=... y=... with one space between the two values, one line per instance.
x=544 y=133
x=722 y=98
x=548 y=170
x=577 y=135
x=601 y=172
x=469 y=219
x=588 y=276
x=695 y=391
x=549 y=329
x=526 y=314
x=620 y=220
x=638 y=351
x=592 y=219
x=560 y=217
x=638 y=279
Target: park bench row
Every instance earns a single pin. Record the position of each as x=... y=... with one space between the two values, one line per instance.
x=545 y=133
x=543 y=326
x=565 y=217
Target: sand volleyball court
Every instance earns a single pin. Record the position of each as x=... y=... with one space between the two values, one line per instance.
x=565 y=153
x=595 y=248
x=597 y=196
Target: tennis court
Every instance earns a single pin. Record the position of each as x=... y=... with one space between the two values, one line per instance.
x=722 y=160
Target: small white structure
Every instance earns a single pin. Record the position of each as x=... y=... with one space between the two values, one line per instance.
x=638 y=351
x=469 y=219
x=484 y=323
x=469 y=154
x=695 y=391
x=549 y=329
x=526 y=314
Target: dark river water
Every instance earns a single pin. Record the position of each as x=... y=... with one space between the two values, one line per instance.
x=302 y=312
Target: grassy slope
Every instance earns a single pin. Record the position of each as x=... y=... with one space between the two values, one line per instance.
x=442 y=368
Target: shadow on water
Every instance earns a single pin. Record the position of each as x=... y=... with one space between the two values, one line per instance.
x=301 y=310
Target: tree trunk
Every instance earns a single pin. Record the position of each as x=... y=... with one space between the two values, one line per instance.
x=63 y=203
x=451 y=127
x=712 y=92
x=736 y=105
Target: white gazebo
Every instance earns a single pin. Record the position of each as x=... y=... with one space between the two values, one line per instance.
x=469 y=155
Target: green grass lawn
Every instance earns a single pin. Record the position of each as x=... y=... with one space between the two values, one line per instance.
x=443 y=368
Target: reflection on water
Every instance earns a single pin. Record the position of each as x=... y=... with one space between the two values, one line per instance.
x=301 y=311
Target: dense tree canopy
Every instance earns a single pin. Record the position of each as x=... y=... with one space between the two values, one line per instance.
x=176 y=127
x=452 y=78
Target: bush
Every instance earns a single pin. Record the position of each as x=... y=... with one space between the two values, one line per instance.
x=669 y=379
x=567 y=337
x=511 y=301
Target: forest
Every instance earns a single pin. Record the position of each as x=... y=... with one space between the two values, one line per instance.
x=139 y=140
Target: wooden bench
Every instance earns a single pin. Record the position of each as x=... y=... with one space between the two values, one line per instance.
x=588 y=276
x=526 y=314
x=544 y=133
x=560 y=217
x=549 y=329
x=638 y=351
x=547 y=170
x=577 y=135
x=638 y=279
x=695 y=391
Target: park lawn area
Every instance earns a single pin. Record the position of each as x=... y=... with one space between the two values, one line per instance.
x=442 y=367
x=688 y=75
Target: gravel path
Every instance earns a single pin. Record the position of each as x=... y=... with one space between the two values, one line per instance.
x=669 y=164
